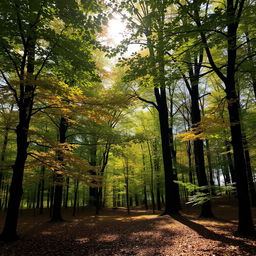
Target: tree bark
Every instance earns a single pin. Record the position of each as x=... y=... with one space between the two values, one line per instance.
x=172 y=146
x=58 y=177
x=193 y=88
x=198 y=143
x=25 y=106
x=245 y=225
x=158 y=65
x=171 y=192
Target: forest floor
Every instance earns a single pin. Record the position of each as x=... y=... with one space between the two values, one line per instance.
x=116 y=233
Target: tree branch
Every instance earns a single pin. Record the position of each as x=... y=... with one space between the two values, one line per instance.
x=11 y=87
x=145 y=100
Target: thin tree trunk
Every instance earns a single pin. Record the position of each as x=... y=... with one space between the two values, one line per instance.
x=249 y=173
x=126 y=171
x=191 y=180
x=157 y=170
x=93 y=161
x=151 y=178
x=75 y=196
x=67 y=193
x=3 y=154
x=230 y=162
x=209 y=160
x=4 y=147
x=144 y=179
x=48 y=197
x=114 y=195
x=42 y=190
x=199 y=153
x=225 y=170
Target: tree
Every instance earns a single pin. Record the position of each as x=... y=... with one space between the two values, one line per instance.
x=148 y=18
x=230 y=16
x=33 y=35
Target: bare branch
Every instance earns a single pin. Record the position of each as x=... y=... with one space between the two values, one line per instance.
x=13 y=61
x=11 y=87
x=145 y=100
x=208 y=93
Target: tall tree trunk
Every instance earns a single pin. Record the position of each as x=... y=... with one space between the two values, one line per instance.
x=158 y=64
x=172 y=147
x=193 y=88
x=199 y=147
x=58 y=177
x=9 y=231
x=233 y=14
x=245 y=225
x=25 y=106
x=171 y=192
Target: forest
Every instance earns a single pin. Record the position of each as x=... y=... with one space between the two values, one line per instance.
x=128 y=127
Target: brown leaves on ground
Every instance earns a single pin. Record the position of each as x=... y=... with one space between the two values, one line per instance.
x=115 y=233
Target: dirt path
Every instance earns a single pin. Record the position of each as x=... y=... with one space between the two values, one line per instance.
x=116 y=233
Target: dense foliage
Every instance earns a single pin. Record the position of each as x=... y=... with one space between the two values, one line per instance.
x=172 y=122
